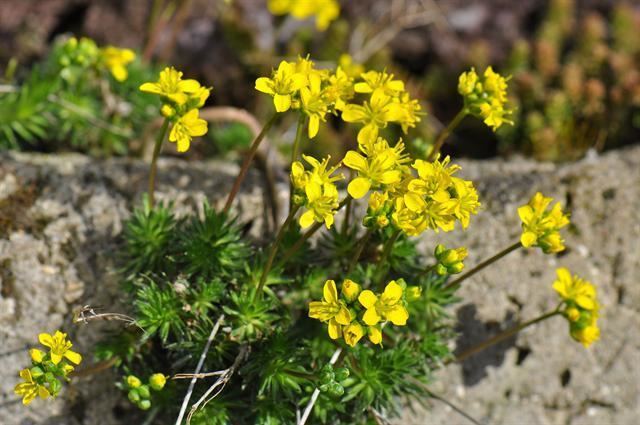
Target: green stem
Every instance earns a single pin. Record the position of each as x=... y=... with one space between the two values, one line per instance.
x=247 y=162
x=482 y=265
x=426 y=270
x=154 y=161
x=382 y=263
x=274 y=250
x=347 y=213
x=445 y=133
x=502 y=336
x=294 y=152
x=314 y=228
x=359 y=248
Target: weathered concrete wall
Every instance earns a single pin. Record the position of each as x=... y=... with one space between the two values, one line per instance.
x=60 y=217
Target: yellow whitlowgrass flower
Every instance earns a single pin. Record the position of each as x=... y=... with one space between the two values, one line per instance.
x=464 y=200
x=375 y=334
x=373 y=171
x=29 y=389
x=374 y=80
x=575 y=290
x=171 y=86
x=325 y=11
x=185 y=128
x=313 y=104
x=541 y=227
x=586 y=335
x=59 y=347
x=374 y=114
x=350 y=290
x=388 y=306
x=339 y=89
x=331 y=310
x=285 y=83
x=353 y=333
x=116 y=60
x=486 y=97
x=410 y=112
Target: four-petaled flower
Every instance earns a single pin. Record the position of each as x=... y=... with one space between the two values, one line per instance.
x=185 y=128
x=541 y=227
x=283 y=85
x=117 y=60
x=171 y=85
x=388 y=306
x=59 y=347
x=331 y=310
x=29 y=389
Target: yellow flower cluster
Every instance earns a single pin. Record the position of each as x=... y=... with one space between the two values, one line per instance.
x=116 y=60
x=388 y=102
x=315 y=190
x=299 y=85
x=580 y=306
x=541 y=227
x=485 y=97
x=182 y=99
x=324 y=11
x=357 y=313
x=41 y=379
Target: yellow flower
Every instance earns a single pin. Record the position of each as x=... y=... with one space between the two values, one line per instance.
x=587 y=335
x=29 y=389
x=117 y=60
x=339 y=89
x=59 y=347
x=133 y=381
x=464 y=200
x=171 y=86
x=374 y=80
x=350 y=290
x=388 y=306
x=541 y=227
x=573 y=289
x=157 y=381
x=325 y=11
x=375 y=114
x=379 y=208
x=185 y=128
x=316 y=191
x=486 y=97
x=313 y=104
x=353 y=333
x=410 y=111
x=284 y=84
x=378 y=170
x=330 y=310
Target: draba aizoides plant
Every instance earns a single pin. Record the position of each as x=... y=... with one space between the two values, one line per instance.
x=290 y=329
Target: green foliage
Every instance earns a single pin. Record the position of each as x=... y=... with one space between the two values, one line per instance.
x=71 y=101
x=211 y=246
x=159 y=310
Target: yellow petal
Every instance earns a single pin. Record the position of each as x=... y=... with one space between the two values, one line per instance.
x=73 y=357
x=55 y=358
x=282 y=102
x=264 y=85
x=330 y=292
x=45 y=339
x=355 y=161
x=414 y=202
x=528 y=239
x=119 y=73
x=526 y=213
x=389 y=177
x=358 y=187
x=314 y=126
x=371 y=317
x=362 y=87
x=367 y=298
x=392 y=293
x=306 y=219
x=335 y=330
x=353 y=113
x=343 y=317
x=398 y=315
x=43 y=392
x=375 y=335
x=151 y=88
x=367 y=134
x=189 y=86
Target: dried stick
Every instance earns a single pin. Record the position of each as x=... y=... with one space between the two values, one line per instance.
x=316 y=392
x=219 y=384
x=203 y=356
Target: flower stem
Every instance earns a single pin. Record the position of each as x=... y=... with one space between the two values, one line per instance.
x=154 y=161
x=274 y=250
x=247 y=162
x=382 y=263
x=502 y=336
x=445 y=133
x=359 y=248
x=482 y=265
x=294 y=152
x=314 y=228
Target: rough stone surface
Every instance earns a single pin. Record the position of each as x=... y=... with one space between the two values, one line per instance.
x=60 y=217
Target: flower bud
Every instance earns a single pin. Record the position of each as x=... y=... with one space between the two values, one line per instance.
x=134 y=396
x=413 y=293
x=450 y=261
x=144 y=392
x=573 y=314
x=133 y=381
x=144 y=404
x=350 y=290
x=157 y=381
x=36 y=355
